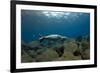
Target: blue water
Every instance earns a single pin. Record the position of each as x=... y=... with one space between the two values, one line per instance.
x=36 y=23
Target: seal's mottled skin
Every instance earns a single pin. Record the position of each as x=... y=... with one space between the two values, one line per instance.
x=53 y=37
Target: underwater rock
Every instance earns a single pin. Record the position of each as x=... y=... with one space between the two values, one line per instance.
x=56 y=48
x=25 y=57
x=34 y=44
x=79 y=38
x=77 y=53
x=82 y=38
x=60 y=50
x=70 y=46
x=86 y=54
x=47 y=55
x=85 y=45
x=68 y=56
x=84 y=50
x=24 y=46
